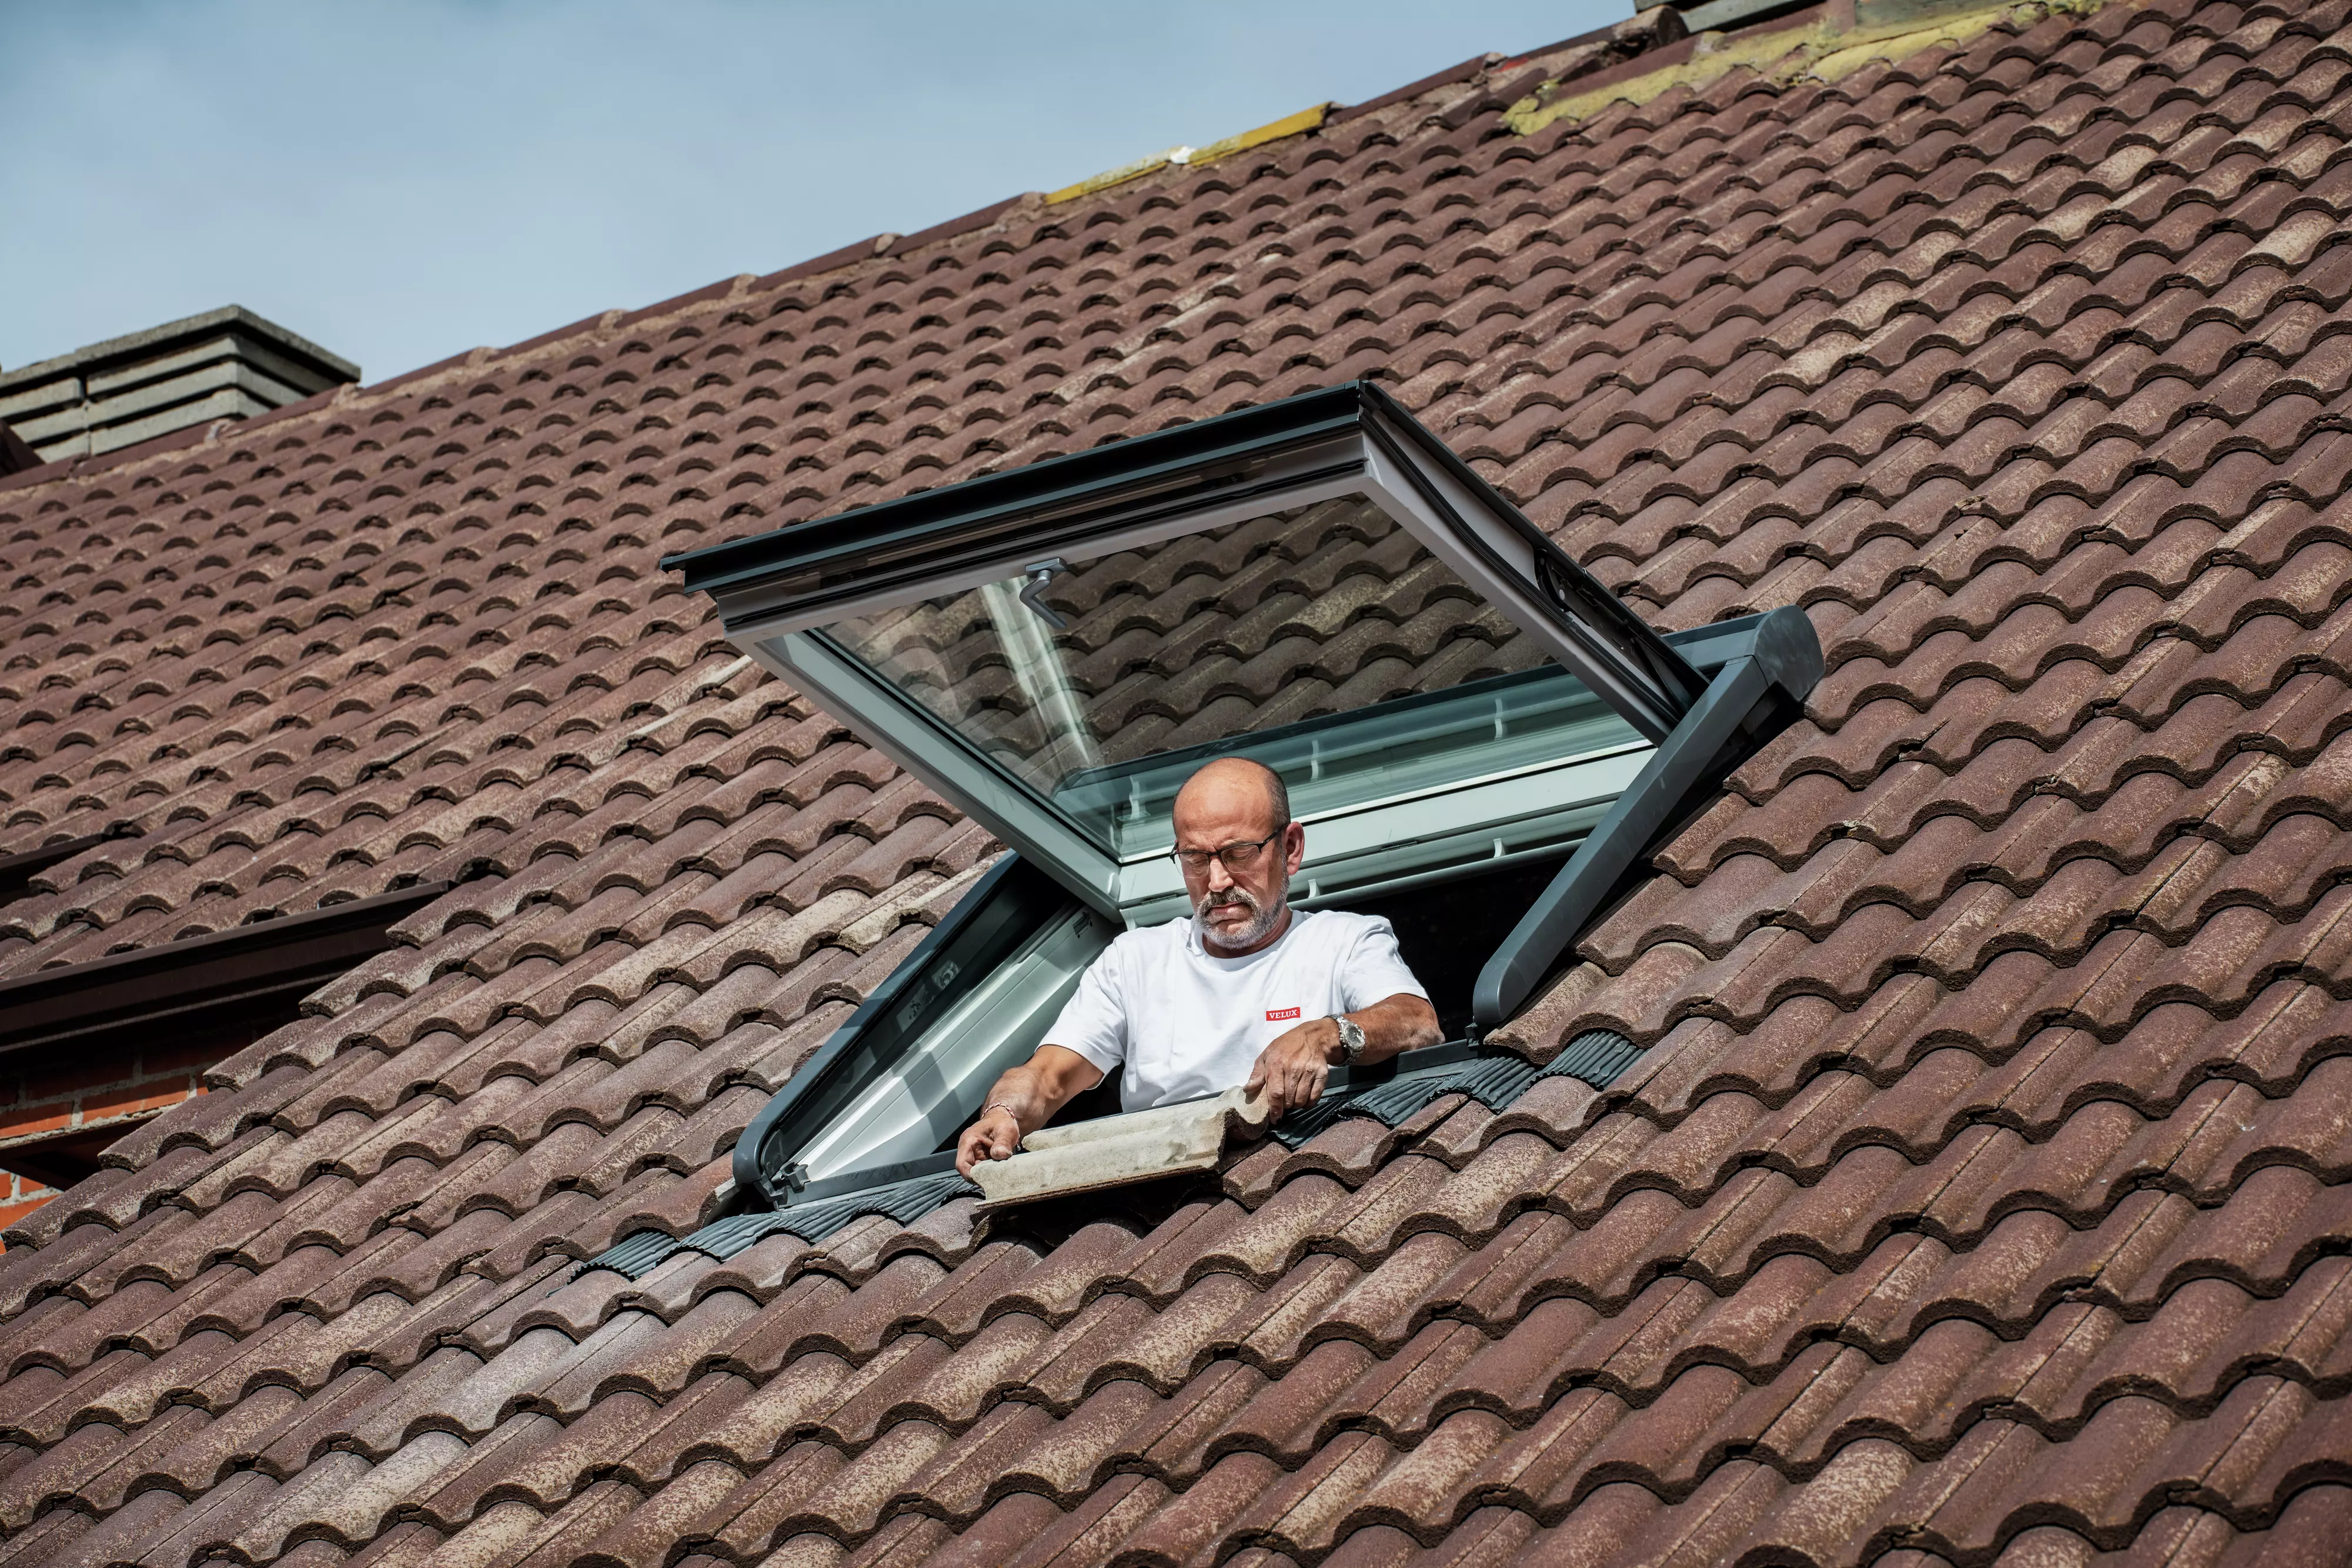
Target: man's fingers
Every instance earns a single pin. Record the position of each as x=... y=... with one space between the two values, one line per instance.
x=981 y=1142
x=1286 y=1079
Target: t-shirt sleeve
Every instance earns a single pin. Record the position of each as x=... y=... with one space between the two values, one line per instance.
x=1374 y=970
x=1093 y=1022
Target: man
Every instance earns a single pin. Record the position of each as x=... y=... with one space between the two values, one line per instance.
x=1247 y=989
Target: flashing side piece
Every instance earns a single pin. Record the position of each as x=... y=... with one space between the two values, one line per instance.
x=1113 y=1150
x=1770 y=667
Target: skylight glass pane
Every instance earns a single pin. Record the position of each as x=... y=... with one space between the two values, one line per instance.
x=1324 y=640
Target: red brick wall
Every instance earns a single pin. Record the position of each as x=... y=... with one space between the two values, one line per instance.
x=19 y=1196
x=60 y=1105
x=44 y=1099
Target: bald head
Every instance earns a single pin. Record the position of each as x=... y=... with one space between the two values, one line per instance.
x=1238 y=808
x=1231 y=787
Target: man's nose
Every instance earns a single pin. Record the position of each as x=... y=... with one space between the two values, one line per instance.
x=1219 y=878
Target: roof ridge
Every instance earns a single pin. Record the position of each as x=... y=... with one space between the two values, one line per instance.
x=1646 y=30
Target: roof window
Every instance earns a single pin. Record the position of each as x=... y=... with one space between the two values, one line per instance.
x=1461 y=712
x=1319 y=585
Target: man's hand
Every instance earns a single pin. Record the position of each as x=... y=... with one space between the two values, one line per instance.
x=1023 y=1100
x=996 y=1136
x=1291 y=1072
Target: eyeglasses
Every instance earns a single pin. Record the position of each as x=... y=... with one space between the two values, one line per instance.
x=1236 y=855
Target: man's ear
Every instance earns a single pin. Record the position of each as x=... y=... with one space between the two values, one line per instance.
x=1294 y=848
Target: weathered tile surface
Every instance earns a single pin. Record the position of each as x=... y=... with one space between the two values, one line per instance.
x=1986 y=1191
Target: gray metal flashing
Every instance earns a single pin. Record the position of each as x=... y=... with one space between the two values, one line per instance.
x=1598 y=1057
x=1496 y=1080
x=1762 y=684
x=904 y=1201
x=872 y=1177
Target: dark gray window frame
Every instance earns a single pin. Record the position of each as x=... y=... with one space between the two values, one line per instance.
x=776 y=590
x=1705 y=699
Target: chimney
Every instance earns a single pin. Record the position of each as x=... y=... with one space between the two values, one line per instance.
x=224 y=364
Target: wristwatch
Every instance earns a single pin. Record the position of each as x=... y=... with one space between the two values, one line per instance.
x=1351 y=1038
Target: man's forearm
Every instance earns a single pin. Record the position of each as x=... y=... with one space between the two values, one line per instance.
x=1019 y=1094
x=1399 y=1023
x=1031 y=1093
x=1293 y=1070
x=1027 y=1096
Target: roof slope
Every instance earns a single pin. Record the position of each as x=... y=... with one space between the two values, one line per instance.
x=1982 y=1194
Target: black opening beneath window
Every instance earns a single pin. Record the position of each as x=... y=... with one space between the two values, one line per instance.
x=1446 y=931
x=1102 y=1100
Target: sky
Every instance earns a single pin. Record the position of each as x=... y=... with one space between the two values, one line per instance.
x=402 y=181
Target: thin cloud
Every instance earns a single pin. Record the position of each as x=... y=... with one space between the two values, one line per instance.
x=403 y=183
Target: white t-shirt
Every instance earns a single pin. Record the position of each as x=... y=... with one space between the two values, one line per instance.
x=1185 y=1024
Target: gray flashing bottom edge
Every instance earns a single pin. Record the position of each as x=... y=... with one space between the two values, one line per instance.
x=1597 y=1057
x=904 y=1201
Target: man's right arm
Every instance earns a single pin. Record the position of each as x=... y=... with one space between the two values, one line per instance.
x=1023 y=1100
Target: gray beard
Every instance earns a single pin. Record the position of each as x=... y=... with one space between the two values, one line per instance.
x=1263 y=918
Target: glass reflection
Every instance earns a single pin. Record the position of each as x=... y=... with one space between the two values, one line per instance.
x=1324 y=641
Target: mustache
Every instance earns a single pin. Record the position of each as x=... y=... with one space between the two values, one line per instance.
x=1258 y=920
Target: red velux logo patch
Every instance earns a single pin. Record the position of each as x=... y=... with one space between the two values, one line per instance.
x=1275 y=1015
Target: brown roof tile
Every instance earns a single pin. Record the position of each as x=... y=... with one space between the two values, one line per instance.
x=1979 y=1193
